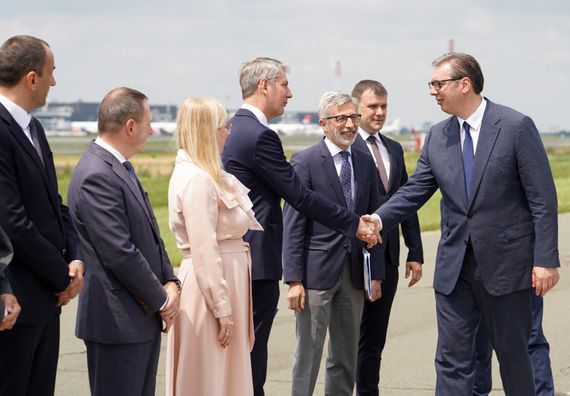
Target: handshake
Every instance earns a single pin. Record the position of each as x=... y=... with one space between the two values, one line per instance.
x=369 y=229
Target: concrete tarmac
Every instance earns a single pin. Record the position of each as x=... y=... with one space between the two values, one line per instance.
x=408 y=358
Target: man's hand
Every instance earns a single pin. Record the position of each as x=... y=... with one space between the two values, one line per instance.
x=376 y=290
x=13 y=308
x=296 y=296
x=226 y=327
x=415 y=268
x=369 y=230
x=544 y=279
x=76 y=269
x=170 y=310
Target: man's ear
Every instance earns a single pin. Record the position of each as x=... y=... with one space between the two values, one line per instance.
x=130 y=127
x=263 y=85
x=466 y=84
x=30 y=79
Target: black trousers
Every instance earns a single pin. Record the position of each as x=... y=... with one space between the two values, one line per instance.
x=373 y=329
x=28 y=359
x=265 y=296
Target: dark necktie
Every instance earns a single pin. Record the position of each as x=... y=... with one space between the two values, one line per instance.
x=468 y=157
x=379 y=163
x=129 y=167
x=35 y=141
x=345 y=179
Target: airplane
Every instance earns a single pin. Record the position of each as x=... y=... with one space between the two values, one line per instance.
x=91 y=127
x=305 y=127
x=163 y=127
x=394 y=127
x=84 y=127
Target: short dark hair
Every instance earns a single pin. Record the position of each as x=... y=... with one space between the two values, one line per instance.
x=464 y=65
x=20 y=55
x=119 y=105
x=365 y=85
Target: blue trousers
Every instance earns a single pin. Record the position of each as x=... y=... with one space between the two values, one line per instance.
x=538 y=350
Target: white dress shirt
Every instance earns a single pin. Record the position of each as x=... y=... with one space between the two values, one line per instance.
x=257 y=113
x=21 y=116
x=474 y=122
x=337 y=158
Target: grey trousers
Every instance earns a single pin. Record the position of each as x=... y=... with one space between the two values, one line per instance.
x=339 y=309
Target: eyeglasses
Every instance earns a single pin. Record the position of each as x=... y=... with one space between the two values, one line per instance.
x=437 y=84
x=355 y=118
x=228 y=126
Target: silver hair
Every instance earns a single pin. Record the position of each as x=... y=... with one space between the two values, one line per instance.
x=333 y=98
x=253 y=71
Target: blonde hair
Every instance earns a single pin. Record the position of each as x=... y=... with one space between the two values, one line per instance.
x=197 y=123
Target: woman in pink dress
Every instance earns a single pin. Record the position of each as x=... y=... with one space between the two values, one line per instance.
x=208 y=348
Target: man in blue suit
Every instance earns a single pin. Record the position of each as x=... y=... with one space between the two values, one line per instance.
x=45 y=272
x=499 y=237
x=388 y=156
x=254 y=154
x=538 y=349
x=324 y=268
x=130 y=285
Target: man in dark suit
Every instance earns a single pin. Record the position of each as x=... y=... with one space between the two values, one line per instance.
x=254 y=154
x=388 y=156
x=130 y=284
x=324 y=269
x=9 y=307
x=499 y=238
x=45 y=273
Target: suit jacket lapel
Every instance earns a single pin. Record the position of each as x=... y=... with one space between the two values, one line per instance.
x=487 y=138
x=27 y=146
x=330 y=171
x=359 y=179
x=451 y=130
x=122 y=174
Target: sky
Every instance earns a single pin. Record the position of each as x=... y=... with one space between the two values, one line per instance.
x=172 y=49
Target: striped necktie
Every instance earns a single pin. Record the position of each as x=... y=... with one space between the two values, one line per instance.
x=35 y=141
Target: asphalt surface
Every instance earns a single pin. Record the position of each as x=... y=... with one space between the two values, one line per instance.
x=407 y=364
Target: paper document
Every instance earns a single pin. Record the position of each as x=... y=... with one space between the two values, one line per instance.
x=367 y=275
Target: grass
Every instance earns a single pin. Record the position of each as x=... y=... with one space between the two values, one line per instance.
x=155 y=165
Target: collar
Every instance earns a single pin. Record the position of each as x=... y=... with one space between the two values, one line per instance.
x=475 y=119
x=257 y=113
x=100 y=142
x=364 y=135
x=21 y=116
x=334 y=149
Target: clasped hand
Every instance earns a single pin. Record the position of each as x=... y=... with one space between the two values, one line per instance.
x=369 y=230
x=170 y=310
x=76 y=268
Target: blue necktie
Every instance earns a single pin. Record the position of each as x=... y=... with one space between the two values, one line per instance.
x=345 y=179
x=468 y=157
x=129 y=167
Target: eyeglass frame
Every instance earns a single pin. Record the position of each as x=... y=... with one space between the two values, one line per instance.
x=441 y=83
x=228 y=125
x=345 y=118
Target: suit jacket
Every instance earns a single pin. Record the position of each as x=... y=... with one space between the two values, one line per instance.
x=35 y=220
x=511 y=219
x=410 y=226
x=314 y=253
x=6 y=254
x=253 y=153
x=121 y=243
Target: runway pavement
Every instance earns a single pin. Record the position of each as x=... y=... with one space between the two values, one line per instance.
x=407 y=364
